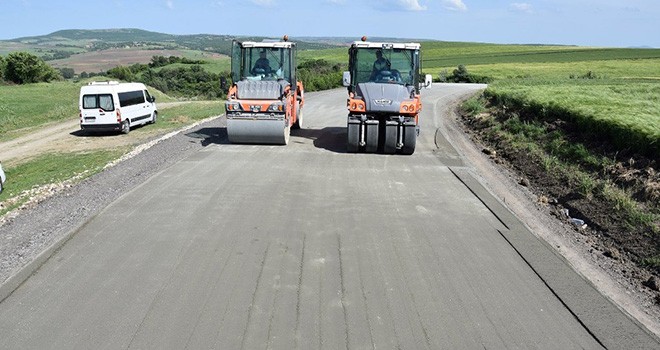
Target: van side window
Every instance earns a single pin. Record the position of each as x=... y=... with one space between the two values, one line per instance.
x=103 y=102
x=146 y=94
x=131 y=98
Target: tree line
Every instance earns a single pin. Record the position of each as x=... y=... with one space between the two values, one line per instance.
x=188 y=81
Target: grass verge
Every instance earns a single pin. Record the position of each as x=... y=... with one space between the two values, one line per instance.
x=50 y=173
x=186 y=113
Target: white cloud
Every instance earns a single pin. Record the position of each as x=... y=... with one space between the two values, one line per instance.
x=264 y=3
x=169 y=4
x=454 y=5
x=522 y=7
x=412 y=5
x=398 y=5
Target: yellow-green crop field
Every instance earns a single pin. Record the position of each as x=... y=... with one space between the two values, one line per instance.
x=615 y=92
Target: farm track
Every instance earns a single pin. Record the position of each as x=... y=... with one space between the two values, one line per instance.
x=65 y=136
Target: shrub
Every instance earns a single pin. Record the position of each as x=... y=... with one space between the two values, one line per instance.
x=24 y=68
x=461 y=75
x=122 y=73
x=67 y=73
x=319 y=75
x=2 y=68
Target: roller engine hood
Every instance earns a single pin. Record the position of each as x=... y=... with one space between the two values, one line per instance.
x=261 y=90
x=384 y=98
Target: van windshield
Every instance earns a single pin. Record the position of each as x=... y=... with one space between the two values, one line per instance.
x=101 y=101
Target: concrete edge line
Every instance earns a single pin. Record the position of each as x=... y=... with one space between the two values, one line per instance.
x=606 y=322
x=14 y=281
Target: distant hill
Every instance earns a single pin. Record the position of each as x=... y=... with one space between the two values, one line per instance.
x=78 y=40
x=108 y=35
x=97 y=50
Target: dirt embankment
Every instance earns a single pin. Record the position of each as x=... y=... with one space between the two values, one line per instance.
x=600 y=233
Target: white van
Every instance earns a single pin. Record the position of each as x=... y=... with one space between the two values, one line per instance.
x=111 y=105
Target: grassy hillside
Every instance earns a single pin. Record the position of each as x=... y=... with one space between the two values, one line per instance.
x=119 y=43
x=107 y=35
x=25 y=107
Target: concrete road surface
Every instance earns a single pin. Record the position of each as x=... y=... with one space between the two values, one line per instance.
x=307 y=247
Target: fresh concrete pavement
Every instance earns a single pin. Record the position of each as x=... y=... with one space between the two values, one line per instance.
x=305 y=246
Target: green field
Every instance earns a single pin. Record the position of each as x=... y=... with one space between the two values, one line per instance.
x=446 y=54
x=614 y=92
x=31 y=105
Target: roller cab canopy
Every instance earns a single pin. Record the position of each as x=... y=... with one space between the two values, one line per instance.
x=401 y=64
x=264 y=61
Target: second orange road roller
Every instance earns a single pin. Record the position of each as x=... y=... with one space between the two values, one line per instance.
x=384 y=102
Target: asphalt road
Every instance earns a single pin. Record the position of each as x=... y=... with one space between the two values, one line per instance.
x=305 y=246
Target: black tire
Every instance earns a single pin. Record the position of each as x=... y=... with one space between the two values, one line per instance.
x=372 y=136
x=154 y=117
x=353 y=144
x=287 y=135
x=389 y=144
x=125 y=127
x=409 y=140
x=299 y=120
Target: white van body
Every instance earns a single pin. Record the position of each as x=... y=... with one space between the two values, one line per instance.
x=114 y=106
x=3 y=178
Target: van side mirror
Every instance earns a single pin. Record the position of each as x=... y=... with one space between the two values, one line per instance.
x=428 y=80
x=346 y=79
x=152 y=99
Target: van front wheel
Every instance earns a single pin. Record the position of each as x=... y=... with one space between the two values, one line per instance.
x=125 y=127
x=154 y=117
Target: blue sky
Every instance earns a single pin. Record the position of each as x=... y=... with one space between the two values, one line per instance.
x=611 y=23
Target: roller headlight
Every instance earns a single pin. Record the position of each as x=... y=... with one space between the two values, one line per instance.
x=233 y=106
x=276 y=107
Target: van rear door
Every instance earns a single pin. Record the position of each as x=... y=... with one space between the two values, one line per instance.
x=98 y=109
